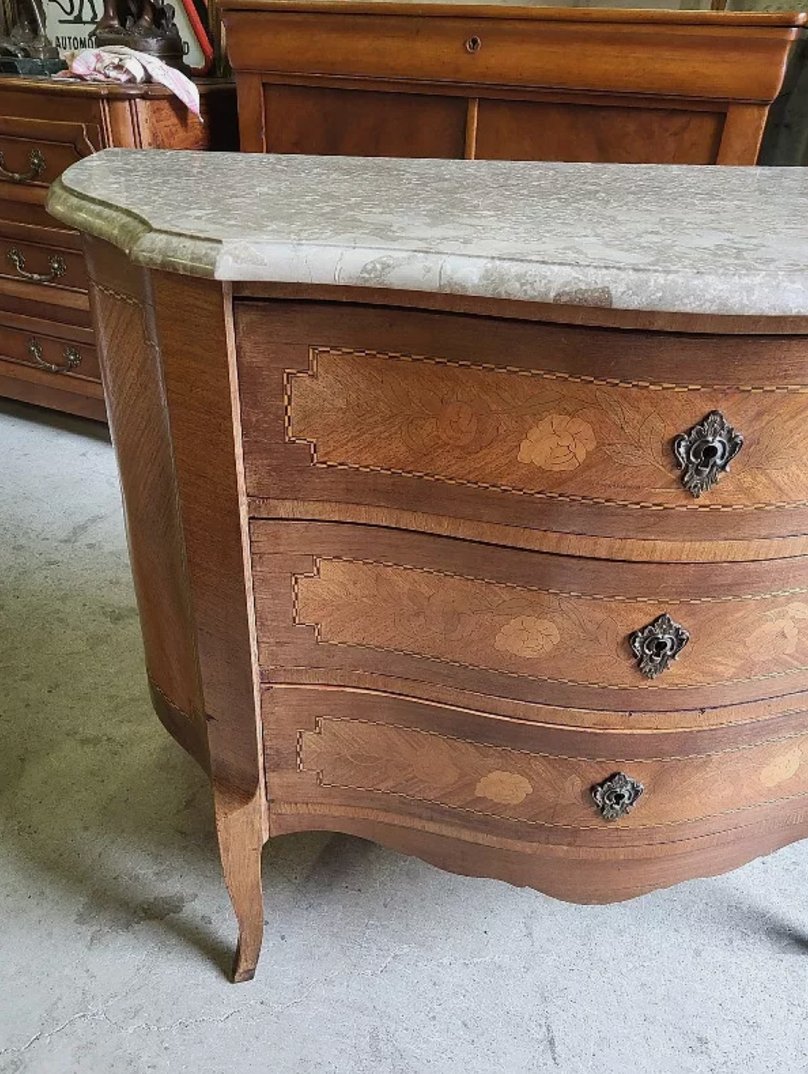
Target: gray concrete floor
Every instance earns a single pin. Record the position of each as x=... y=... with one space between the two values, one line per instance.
x=115 y=926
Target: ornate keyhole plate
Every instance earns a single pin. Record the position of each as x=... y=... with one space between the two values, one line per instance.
x=705 y=452
x=657 y=645
x=616 y=795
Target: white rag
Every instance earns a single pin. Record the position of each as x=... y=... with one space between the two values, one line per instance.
x=117 y=63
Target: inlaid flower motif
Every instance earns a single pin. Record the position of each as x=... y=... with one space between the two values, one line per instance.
x=558 y=442
x=456 y=423
x=527 y=635
x=505 y=788
x=455 y=420
x=778 y=636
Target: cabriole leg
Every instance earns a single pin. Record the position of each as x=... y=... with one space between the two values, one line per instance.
x=238 y=827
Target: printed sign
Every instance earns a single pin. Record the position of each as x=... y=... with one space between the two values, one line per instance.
x=70 y=22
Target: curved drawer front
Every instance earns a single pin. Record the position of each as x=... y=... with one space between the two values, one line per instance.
x=581 y=430
x=408 y=612
x=335 y=747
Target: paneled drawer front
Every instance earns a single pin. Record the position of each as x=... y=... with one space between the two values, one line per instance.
x=688 y=61
x=62 y=357
x=30 y=262
x=569 y=429
x=34 y=152
x=328 y=748
x=548 y=130
x=363 y=607
x=32 y=223
x=310 y=119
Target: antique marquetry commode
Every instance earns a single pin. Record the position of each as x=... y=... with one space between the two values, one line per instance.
x=467 y=502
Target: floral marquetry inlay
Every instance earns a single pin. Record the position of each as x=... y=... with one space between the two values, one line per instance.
x=526 y=635
x=542 y=634
x=537 y=431
x=558 y=442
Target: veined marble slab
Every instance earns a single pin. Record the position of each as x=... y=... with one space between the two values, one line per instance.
x=657 y=238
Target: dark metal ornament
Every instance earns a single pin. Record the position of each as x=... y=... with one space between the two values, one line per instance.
x=657 y=645
x=616 y=795
x=705 y=452
x=36 y=166
x=25 y=48
x=144 y=25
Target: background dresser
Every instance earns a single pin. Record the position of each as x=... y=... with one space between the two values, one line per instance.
x=47 y=348
x=479 y=532
x=512 y=83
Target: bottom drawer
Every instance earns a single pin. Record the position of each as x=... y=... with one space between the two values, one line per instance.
x=431 y=764
x=49 y=352
x=70 y=395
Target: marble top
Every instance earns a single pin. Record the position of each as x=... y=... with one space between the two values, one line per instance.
x=715 y=240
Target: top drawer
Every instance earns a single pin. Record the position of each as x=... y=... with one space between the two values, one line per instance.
x=696 y=61
x=34 y=152
x=382 y=416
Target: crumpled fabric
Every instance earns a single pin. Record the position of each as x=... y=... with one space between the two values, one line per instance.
x=118 y=63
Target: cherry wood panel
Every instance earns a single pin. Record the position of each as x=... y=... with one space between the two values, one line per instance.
x=605 y=85
x=521 y=130
x=124 y=311
x=673 y=56
x=45 y=126
x=516 y=624
x=31 y=223
x=499 y=420
x=333 y=747
x=303 y=119
x=163 y=122
x=57 y=143
x=25 y=301
x=63 y=269
x=72 y=395
x=17 y=345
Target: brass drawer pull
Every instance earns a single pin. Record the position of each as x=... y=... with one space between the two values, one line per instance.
x=36 y=167
x=616 y=795
x=72 y=358
x=657 y=645
x=705 y=452
x=56 y=264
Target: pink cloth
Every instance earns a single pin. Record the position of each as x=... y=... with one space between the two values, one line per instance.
x=117 y=63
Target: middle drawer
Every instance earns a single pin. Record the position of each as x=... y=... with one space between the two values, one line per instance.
x=49 y=266
x=451 y=620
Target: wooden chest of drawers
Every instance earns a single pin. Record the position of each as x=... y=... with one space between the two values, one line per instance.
x=506 y=82
x=514 y=584
x=47 y=349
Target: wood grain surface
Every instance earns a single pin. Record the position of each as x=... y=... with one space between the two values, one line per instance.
x=496 y=420
x=521 y=624
x=605 y=86
x=46 y=126
x=427 y=760
x=389 y=560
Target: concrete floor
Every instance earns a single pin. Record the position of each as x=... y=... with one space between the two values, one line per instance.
x=115 y=926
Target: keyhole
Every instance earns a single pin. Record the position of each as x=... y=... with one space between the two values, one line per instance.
x=710 y=452
x=474 y=44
